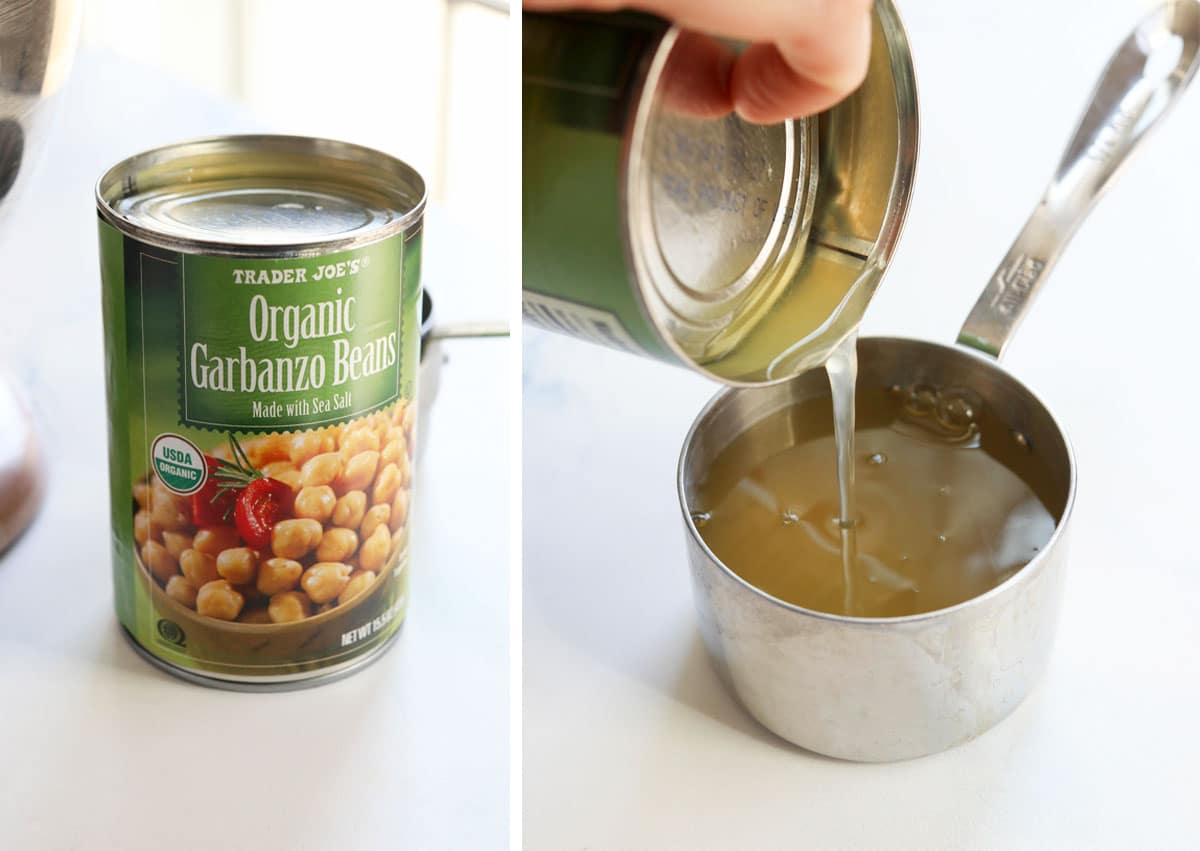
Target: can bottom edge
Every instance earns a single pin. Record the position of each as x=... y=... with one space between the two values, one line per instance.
x=288 y=682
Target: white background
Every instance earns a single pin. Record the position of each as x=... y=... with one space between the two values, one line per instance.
x=630 y=740
x=103 y=751
x=424 y=80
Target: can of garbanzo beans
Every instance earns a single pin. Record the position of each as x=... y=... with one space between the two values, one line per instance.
x=655 y=220
x=262 y=321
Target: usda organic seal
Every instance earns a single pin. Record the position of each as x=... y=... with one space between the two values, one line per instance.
x=179 y=463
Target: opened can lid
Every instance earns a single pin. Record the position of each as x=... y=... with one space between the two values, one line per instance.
x=755 y=249
x=276 y=196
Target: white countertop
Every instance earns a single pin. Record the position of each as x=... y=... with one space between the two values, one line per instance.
x=630 y=740
x=102 y=750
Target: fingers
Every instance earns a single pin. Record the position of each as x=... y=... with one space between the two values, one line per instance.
x=802 y=76
x=806 y=56
x=696 y=82
x=556 y=5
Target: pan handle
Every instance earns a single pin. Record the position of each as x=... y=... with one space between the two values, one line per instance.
x=455 y=330
x=1142 y=81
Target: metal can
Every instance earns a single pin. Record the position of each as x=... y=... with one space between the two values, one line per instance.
x=658 y=226
x=262 y=313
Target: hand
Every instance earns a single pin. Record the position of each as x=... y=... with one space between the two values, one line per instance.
x=804 y=55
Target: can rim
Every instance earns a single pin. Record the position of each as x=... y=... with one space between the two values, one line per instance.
x=109 y=189
x=899 y=197
x=266 y=683
x=686 y=307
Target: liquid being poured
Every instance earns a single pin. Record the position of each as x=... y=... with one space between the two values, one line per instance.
x=842 y=368
x=947 y=503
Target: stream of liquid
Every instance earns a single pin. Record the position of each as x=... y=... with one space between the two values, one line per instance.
x=842 y=368
x=947 y=502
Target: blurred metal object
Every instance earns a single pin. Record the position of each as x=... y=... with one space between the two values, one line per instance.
x=430 y=371
x=459 y=330
x=20 y=465
x=432 y=356
x=37 y=43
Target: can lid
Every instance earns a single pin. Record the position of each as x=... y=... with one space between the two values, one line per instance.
x=261 y=195
x=755 y=250
x=718 y=209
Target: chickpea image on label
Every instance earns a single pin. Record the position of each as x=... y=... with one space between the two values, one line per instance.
x=349 y=511
x=165 y=514
x=359 y=441
x=344 y=522
x=320 y=469
x=288 y=607
x=182 y=590
x=176 y=543
x=316 y=503
x=276 y=468
x=393 y=451
x=358 y=472
x=375 y=549
x=198 y=567
x=399 y=512
x=276 y=575
x=304 y=446
x=295 y=538
x=213 y=540
x=159 y=561
x=360 y=581
x=325 y=580
x=337 y=545
x=238 y=565
x=386 y=485
x=142 y=526
x=219 y=600
x=376 y=517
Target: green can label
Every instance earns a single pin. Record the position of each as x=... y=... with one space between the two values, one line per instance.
x=262 y=433
x=292 y=347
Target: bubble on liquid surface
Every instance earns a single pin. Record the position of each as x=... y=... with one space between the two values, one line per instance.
x=877 y=459
x=941 y=539
x=955 y=413
x=1021 y=440
x=944 y=490
x=921 y=400
x=701 y=518
x=947 y=413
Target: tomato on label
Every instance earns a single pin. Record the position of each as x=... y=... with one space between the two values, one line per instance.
x=260 y=505
x=212 y=505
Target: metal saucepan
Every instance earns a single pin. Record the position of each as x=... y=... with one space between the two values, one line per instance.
x=894 y=688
